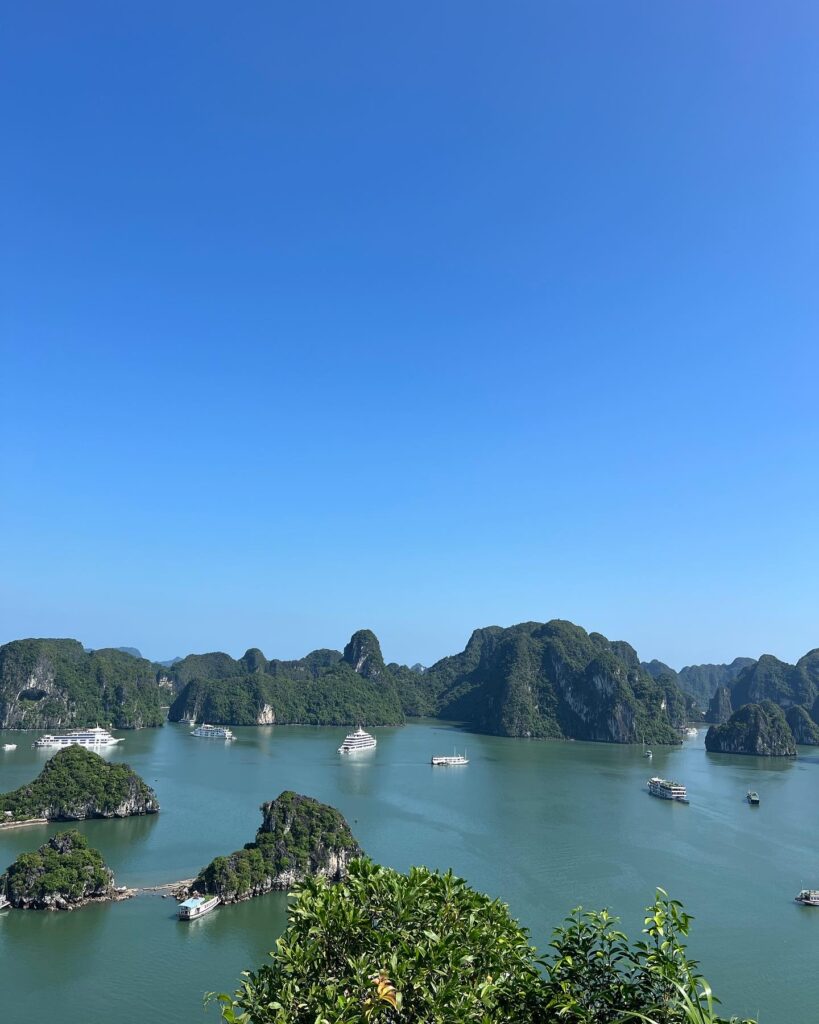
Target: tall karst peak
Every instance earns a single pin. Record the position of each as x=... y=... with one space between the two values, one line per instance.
x=363 y=653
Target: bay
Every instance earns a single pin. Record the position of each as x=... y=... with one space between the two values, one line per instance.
x=544 y=826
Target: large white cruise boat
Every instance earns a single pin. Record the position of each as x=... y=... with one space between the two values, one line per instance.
x=667 y=790
x=358 y=740
x=92 y=738
x=212 y=732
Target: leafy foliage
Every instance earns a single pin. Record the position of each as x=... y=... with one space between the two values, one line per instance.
x=77 y=783
x=65 y=866
x=298 y=836
x=54 y=683
x=386 y=947
x=382 y=946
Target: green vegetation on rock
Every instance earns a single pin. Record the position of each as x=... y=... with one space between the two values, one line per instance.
x=386 y=947
x=324 y=688
x=62 y=873
x=759 y=729
x=51 y=684
x=552 y=680
x=76 y=784
x=298 y=837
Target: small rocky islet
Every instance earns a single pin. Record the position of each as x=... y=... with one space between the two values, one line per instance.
x=298 y=837
x=757 y=729
x=76 y=784
x=63 y=874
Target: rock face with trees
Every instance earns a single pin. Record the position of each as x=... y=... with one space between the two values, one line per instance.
x=77 y=783
x=298 y=838
x=53 y=684
x=759 y=729
x=62 y=874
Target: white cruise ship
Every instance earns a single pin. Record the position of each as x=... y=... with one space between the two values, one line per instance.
x=9 y=746
x=93 y=738
x=444 y=760
x=212 y=732
x=358 y=740
x=667 y=790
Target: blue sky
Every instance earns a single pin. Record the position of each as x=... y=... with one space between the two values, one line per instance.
x=412 y=316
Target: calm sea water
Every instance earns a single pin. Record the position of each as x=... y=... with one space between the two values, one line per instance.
x=545 y=826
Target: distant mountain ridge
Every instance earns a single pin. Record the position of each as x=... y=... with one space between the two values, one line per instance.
x=533 y=679
x=700 y=681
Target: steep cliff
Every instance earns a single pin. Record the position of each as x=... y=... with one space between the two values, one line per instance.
x=554 y=680
x=62 y=874
x=805 y=730
x=52 y=684
x=298 y=837
x=759 y=729
x=77 y=784
x=720 y=709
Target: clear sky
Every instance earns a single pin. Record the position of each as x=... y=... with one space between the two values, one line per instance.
x=414 y=316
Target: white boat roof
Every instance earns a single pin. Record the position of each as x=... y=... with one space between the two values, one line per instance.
x=193 y=902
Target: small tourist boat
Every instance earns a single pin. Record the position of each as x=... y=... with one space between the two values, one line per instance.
x=212 y=732
x=648 y=753
x=691 y=732
x=9 y=746
x=808 y=897
x=4 y=901
x=667 y=790
x=196 y=906
x=447 y=761
x=358 y=740
x=752 y=797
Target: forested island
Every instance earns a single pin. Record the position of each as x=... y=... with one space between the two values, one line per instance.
x=77 y=783
x=298 y=837
x=52 y=684
x=62 y=874
x=759 y=729
x=551 y=680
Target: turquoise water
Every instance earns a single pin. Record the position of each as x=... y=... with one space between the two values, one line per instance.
x=545 y=826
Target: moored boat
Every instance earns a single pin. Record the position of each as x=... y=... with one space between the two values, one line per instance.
x=212 y=732
x=355 y=741
x=197 y=906
x=667 y=790
x=94 y=739
x=752 y=797
x=9 y=746
x=4 y=901
x=448 y=760
x=808 y=897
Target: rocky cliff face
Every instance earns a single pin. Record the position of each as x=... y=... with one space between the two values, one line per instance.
x=804 y=729
x=363 y=654
x=53 y=684
x=720 y=709
x=298 y=837
x=555 y=680
x=63 y=874
x=759 y=729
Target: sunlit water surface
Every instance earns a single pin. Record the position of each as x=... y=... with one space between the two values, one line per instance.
x=545 y=826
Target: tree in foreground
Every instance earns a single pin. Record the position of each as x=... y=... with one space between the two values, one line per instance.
x=385 y=948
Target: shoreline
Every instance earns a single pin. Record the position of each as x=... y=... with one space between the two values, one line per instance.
x=7 y=826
